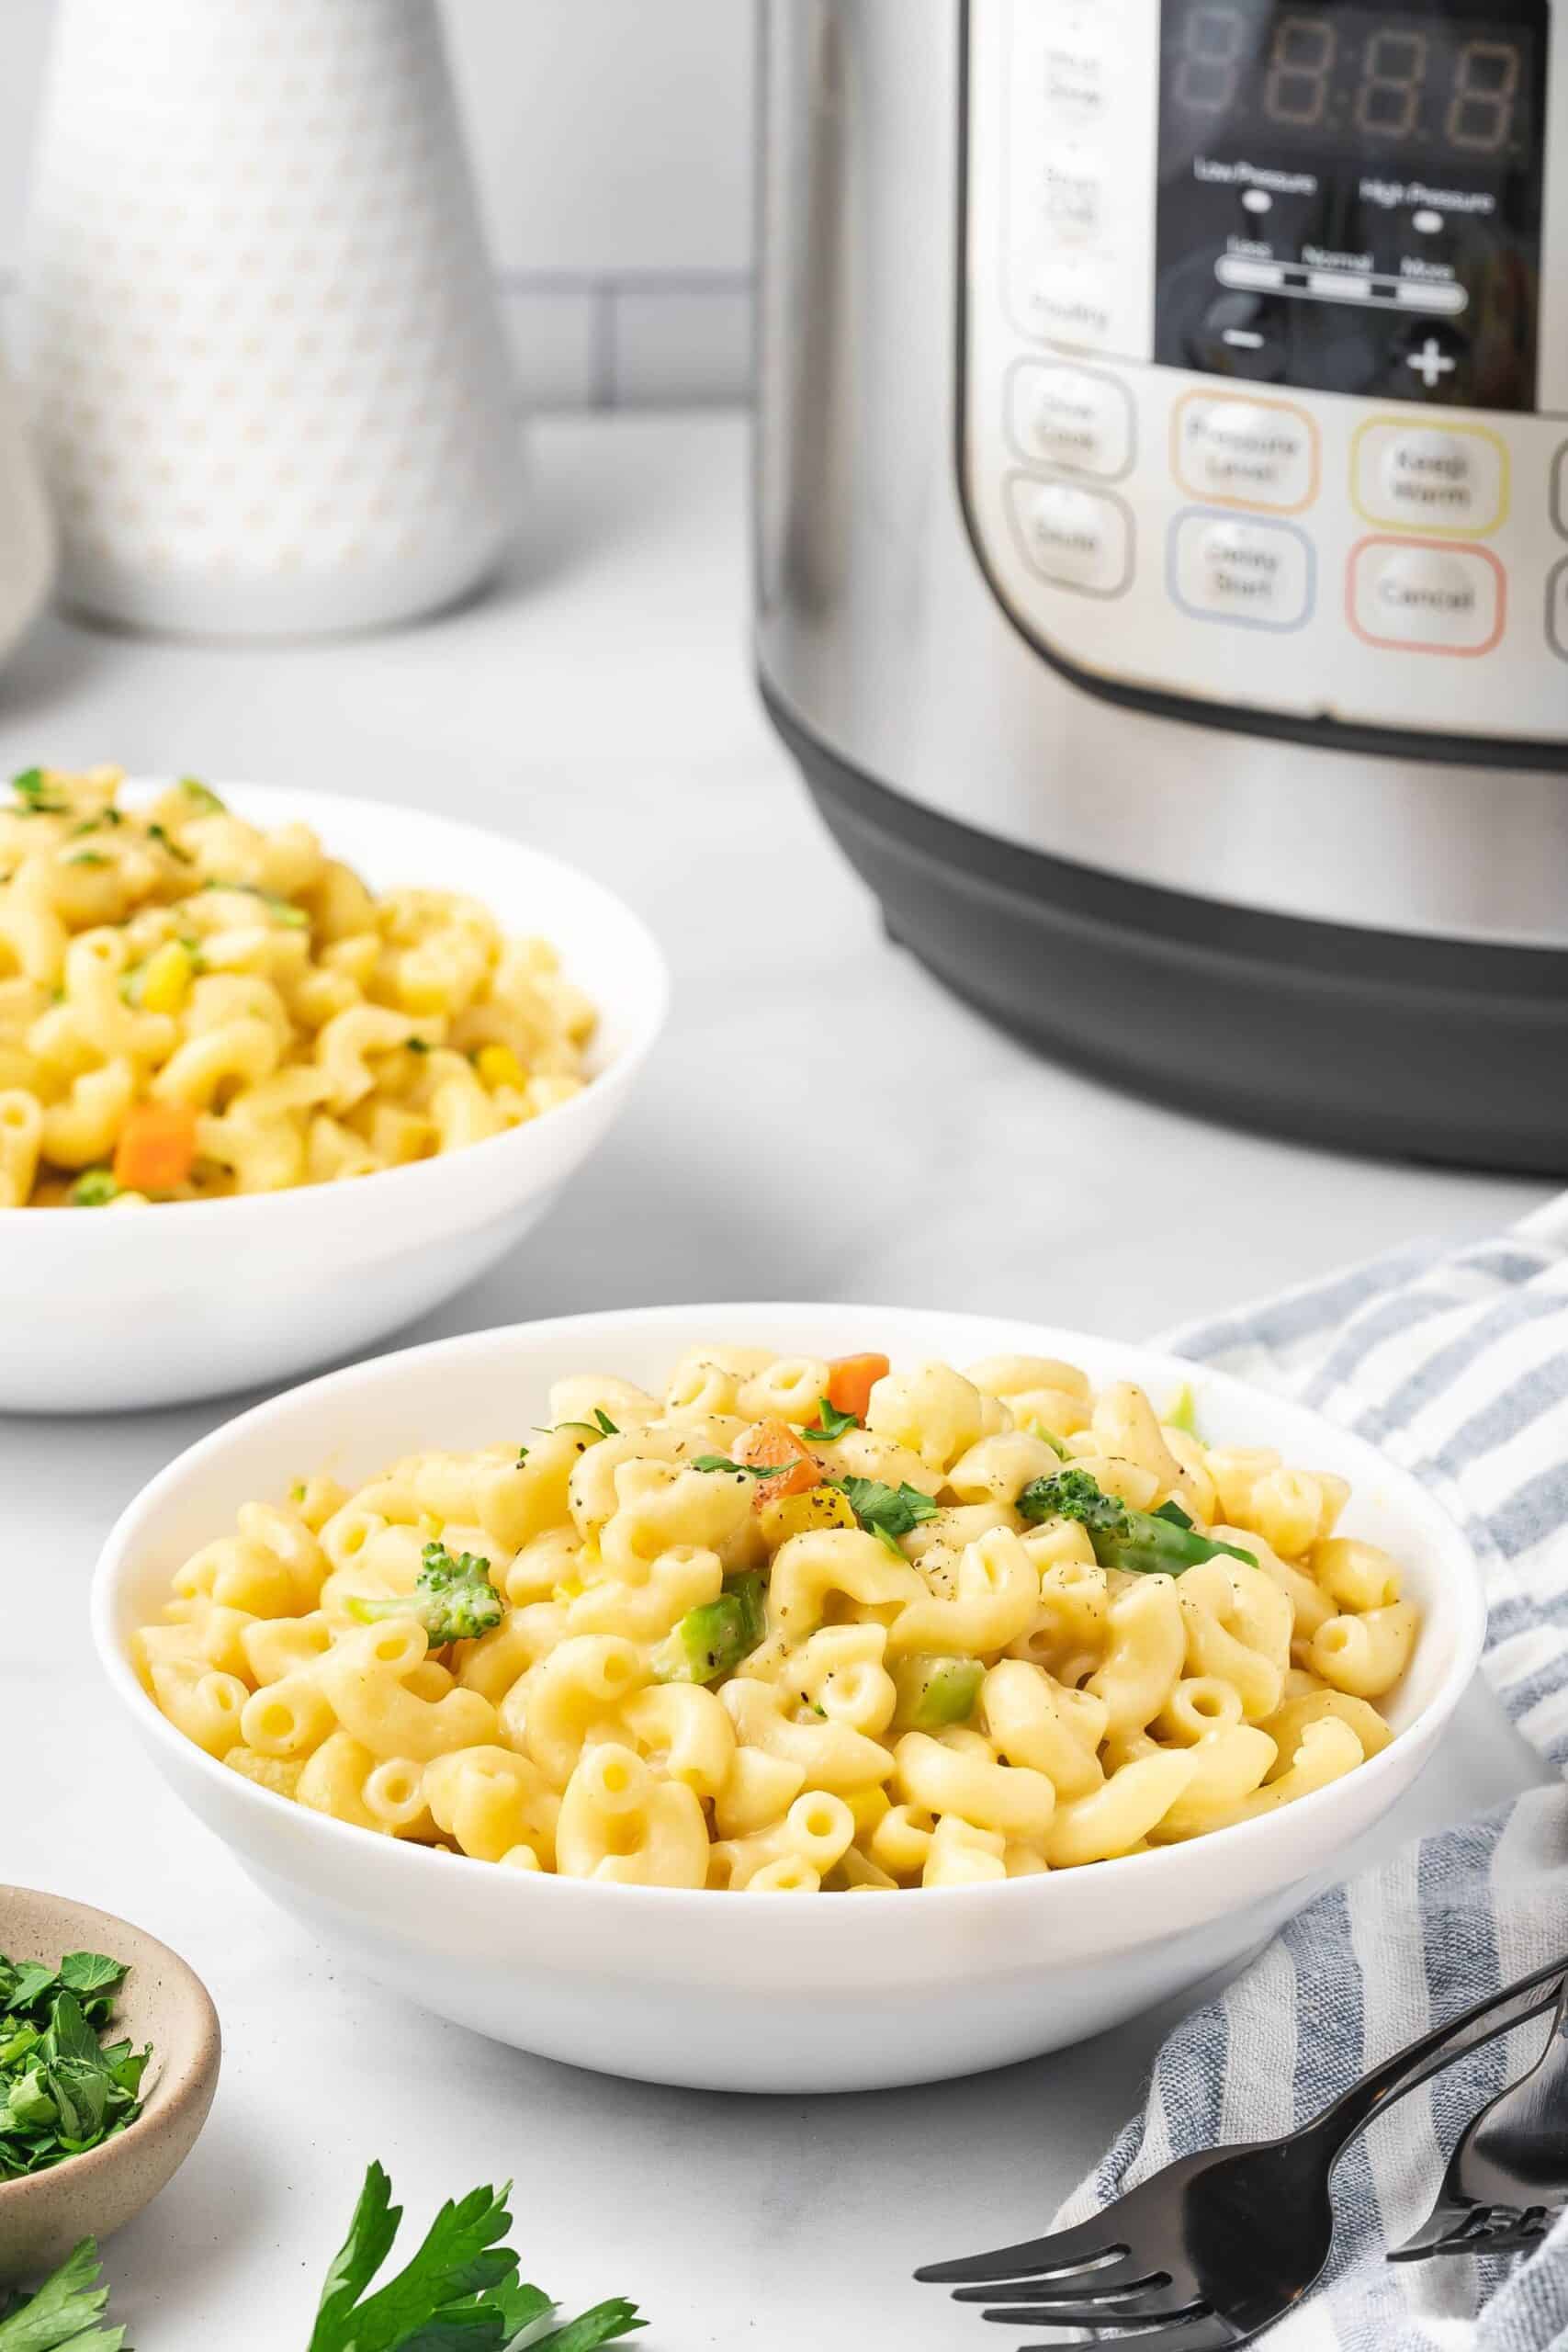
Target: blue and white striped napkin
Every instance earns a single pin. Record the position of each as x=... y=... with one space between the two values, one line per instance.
x=1456 y=1364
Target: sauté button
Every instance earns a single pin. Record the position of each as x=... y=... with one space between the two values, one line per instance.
x=1245 y=453
x=1072 y=417
x=1256 y=574
x=1448 y=479
x=1426 y=599
x=1075 y=539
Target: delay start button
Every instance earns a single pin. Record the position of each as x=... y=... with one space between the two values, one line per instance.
x=1414 y=598
x=1451 y=479
x=1255 y=575
x=1249 y=453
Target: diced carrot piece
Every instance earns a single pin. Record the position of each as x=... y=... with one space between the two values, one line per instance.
x=156 y=1150
x=767 y=1443
x=851 y=1380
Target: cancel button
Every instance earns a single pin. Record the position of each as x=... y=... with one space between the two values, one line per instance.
x=1428 y=600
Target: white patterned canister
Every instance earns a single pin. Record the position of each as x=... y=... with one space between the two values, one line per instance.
x=261 y=345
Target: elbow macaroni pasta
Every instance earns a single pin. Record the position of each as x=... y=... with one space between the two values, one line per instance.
x=977 y=1698
x=297 y=1029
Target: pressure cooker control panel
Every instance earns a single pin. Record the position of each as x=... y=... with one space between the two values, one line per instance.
x=1266 y=350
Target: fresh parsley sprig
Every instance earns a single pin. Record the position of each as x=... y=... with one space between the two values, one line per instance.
x=62 y=2315
x=462 y=2287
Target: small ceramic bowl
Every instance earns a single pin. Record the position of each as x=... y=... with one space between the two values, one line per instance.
x=111 y=1313
x=45 y=2215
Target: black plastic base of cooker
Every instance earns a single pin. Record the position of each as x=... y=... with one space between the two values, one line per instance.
x=1361 y=1041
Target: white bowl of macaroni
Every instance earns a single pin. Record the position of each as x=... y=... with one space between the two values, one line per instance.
x=279 y=1070
x=583 y=1680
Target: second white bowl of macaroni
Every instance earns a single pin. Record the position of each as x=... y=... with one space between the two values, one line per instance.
x=569 y=1676
x=279 y=1069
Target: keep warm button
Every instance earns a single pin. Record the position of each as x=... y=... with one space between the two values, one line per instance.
x=1453 y=481
x=1415 y=598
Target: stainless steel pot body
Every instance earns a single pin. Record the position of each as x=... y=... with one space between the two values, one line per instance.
x=883 y=641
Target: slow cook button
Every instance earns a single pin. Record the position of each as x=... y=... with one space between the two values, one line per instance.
x=1257 y=574
x=1451 y=479
x=1075 y=539
x=1072 y=417
x=1262 y=454
x=1425 y=599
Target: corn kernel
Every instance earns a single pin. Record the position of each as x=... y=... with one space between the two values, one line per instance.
x=165 y=982
x=499 y=1066
x=868 y=1805
x=819 y=1508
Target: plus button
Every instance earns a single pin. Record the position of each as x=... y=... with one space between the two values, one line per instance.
x=1431 y=363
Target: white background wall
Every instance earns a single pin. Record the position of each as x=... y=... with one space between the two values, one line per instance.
x=611 y=143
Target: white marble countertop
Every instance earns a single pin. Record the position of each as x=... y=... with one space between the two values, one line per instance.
x=600 y=704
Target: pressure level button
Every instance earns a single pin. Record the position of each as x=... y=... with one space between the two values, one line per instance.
x=1248 y=453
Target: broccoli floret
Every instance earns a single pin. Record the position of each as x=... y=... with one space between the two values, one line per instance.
x=1148 y=1543
x=454 y=1599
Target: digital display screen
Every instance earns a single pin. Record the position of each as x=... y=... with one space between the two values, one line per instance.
x=1384 y=79
x=1351 y=197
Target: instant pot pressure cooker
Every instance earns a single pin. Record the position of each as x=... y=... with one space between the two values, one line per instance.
x=1162 y=533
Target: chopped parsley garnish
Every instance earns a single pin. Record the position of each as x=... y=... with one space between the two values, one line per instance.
x=740 y=1469
x=203 y=797
x=31 y=789
x=165 y=840
x=829 y=1422
x=294 y=918
x=886 y=1511
x=600 y=1426
x=87 y=857
x=61 y=2089
x=522 y=1457
x=417 y=1044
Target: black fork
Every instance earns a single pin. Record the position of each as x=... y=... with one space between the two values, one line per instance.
x=1216 y=2246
